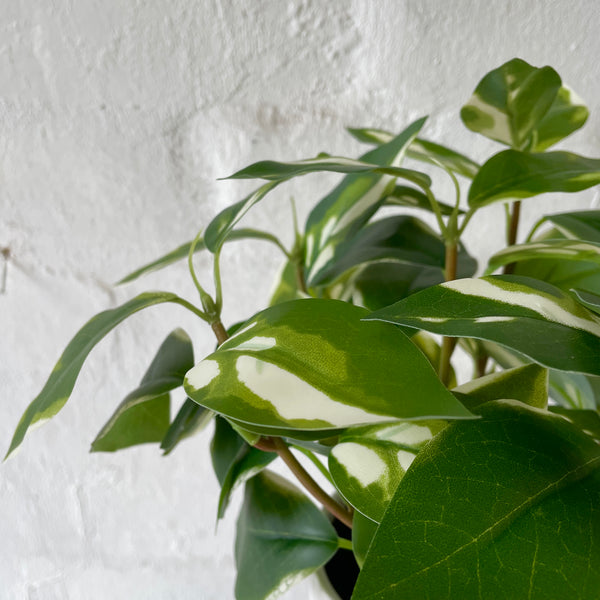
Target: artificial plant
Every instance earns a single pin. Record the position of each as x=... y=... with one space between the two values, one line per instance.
x=484 y=489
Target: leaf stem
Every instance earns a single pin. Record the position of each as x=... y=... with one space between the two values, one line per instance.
x=511 y=236
x=310 y=455
x=280 y=447
x=344 y=543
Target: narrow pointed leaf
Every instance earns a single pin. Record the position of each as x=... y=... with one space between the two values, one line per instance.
x=528 y=384
x=523 y=314
x=282 y=537
x=574 y=390
x=190 y=419
x=59 y=386
x=573 y=250
x=352 y=203
x=566 y=115
x=589 y=300
x=220 y=228
x=302 y=365
x=477 y=514
x=423 y=150
x=144 y=415
x=510 y=101
x=181 y=252
x=512 y=174
x=403 y=195
x=581 y=225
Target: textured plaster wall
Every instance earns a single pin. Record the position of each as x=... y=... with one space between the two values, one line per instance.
x=116 y=119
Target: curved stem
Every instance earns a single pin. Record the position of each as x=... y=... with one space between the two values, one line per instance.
x=315 y=461
x=192 y=308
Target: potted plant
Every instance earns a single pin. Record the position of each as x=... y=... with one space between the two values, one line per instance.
x=484 y=489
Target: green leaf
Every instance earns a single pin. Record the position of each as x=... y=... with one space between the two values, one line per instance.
x=402 y=238
x=510 y=101
x=224 y=447
x=503 y=507
x=528 y=384
x=568 y=250
x=351 y=204
x=281 y=538
x=403 y=195
x=588 y=421
x=181 y=252
x=589 y=300
x=286 y=285
x=281 y=171
x=190 y=419
x=566 y=115
x=526 y=315
x=581 y=225
x=303 y=366
x=424 y=151
x=220 y=228
x=363 y=532
x=59 y=386
x=512 y=174
x=574 y=390
x=144 y=415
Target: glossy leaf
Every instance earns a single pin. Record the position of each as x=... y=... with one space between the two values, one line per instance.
x=221 y=227
x=281 y=538
x=59 y=386
x=402 y=238
x=573 y=250
x=512 y=174
x=581 y=225
x=302 y=365
x=281 y=171
x=477 y=515
x=181 y=252
x=528 y=384
x=190 y=419
x=403 y=195
x=510 y=101
x=424 y=151
x=566 y=115
x=144 y=415
x=527 y=315
x=351 y=204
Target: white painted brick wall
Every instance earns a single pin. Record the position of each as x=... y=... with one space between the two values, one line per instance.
x=116 y=119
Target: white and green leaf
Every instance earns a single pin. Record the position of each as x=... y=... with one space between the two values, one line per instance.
x=527 y=315
x=314 y=367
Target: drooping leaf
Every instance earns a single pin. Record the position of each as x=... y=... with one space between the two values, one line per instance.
x=503 y=507
x=566 y=115
x=351 y=204
x=220 y=228
x=190 y=419
x=281 y=538
x=528 y=384
x=527 y=315
x=402 y=238
x=510 y=101
x=59 y=386
x=424 y=151
x=281 y=171
x=181 y=252
x=569 y=250
x=304 y=366
x=403 y=195
x=144 y=415
x=513 y=174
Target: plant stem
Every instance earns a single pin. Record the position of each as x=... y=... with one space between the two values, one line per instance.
x=511 y=237
x=219 y=331
x=336 y=509
x=448 y=343
x=344 y=544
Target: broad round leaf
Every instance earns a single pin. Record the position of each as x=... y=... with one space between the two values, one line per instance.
x=314 y=366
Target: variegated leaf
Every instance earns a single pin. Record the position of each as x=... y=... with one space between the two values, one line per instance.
x=510 y=101
x=527 y=315
x=573 y=250
x=352 y=203
x=513 y=174
x=314 y=367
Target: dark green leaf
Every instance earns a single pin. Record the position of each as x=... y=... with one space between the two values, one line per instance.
x=510 y=101
x=527 y=315
x=403 y=195
x=314 y=366
x=190 y=419
x=60 y=384
x=286 y=285
x=574 y=390
x=224 y=447
x=513 y=174
x=503 y=507
x=363 y=532
x=588 y=421
x=144 y=415
x=281 y=537
x=581 y=225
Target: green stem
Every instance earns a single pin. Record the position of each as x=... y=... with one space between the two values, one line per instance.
x=344 y=543
x=436 y=209
x=218 y=286
x=191 y=307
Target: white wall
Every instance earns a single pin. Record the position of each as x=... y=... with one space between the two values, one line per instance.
x=116 y=119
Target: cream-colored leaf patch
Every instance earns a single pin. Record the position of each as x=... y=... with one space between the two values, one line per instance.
x=360 y=462
x=202 y=374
